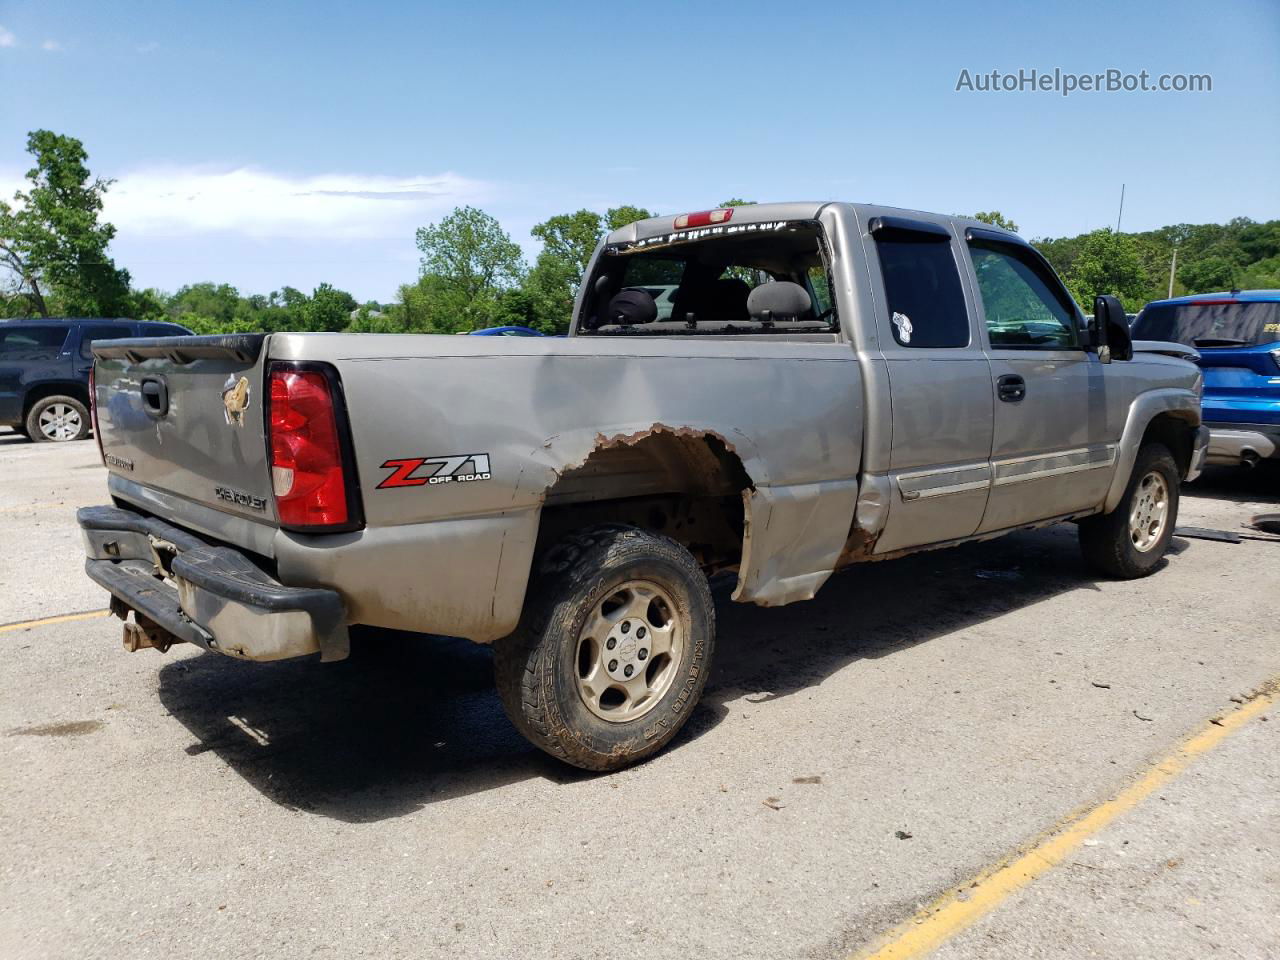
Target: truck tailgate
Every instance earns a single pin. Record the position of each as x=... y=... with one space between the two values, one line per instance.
x=184 y=415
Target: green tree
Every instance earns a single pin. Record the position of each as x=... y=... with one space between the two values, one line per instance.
x=148 y=304
x=996 y=219
x=469 y=261
x=1262 y=275
x=618 y=217
x=1208 y=274
x=329 y=309
x=548 y=292
x=735 y=202
x=570 y=238
x=51 y=240
x=1109 y=263
x=205 y=307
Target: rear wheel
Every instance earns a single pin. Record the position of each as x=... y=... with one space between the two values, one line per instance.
x=1130 y=541
x=612 y=650
x=58 y=419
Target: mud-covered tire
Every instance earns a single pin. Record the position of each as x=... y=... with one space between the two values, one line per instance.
x=540 y=669
x=57 y=419
x=1114 y=543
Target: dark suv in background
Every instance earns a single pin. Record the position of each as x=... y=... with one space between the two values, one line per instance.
x=44 y=371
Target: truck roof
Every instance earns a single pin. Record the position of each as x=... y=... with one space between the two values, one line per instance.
x=793 y=210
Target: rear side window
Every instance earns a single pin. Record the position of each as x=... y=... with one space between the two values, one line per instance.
x=89 y=334
x=1229 y=323
x=922 y=282
x=32 y=343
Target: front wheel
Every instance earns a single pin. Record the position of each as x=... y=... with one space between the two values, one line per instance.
x=58 y=419
x=612 y=650
x=1130 y=541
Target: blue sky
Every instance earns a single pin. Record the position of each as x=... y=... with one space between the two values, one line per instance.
x=266 y=144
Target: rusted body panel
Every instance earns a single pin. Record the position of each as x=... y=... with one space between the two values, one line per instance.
x=539 y=409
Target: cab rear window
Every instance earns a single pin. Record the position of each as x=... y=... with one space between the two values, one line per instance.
x=699 y=283
x=1222 y=323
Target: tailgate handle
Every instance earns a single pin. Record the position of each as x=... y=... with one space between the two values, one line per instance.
x=155 y=396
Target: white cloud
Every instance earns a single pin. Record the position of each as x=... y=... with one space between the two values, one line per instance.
x=262 y=204
x=149 y=47
x=7 y=39
x=52 y=46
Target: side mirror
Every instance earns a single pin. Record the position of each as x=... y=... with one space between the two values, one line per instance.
x=1110 y=329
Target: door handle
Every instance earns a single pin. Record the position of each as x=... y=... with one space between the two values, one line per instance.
x=1011 y=388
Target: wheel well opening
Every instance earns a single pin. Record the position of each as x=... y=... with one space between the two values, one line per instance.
x=40 y=391
x=684 y=484
x=1175 y=433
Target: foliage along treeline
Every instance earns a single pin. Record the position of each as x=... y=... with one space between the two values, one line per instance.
x=473 y=275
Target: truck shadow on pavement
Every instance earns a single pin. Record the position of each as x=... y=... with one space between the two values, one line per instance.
x=409 y=720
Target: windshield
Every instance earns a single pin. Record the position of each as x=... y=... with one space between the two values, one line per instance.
x=1227 y=323
x=682 y=285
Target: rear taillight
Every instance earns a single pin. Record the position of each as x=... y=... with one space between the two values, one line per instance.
x=93 y=412
x=311 y=470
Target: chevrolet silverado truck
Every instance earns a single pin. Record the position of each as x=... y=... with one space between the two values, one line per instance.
x=824 y=384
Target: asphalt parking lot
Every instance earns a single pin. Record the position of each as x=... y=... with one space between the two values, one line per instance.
x=910 y=760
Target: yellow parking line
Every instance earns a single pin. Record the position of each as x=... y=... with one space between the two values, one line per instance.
x=46 y=621
x=947 y=916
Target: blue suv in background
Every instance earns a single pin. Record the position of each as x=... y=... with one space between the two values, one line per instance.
x=1238 y=336
x=44 y=371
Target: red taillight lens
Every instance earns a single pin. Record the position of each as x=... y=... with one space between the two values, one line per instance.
x=308 y=475
x=93 y=412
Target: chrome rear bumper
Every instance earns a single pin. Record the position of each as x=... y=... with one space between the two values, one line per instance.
x=209 y=595
x=1238 y=444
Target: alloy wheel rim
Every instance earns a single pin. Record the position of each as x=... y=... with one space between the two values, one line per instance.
x=60 y=421
x=1150 y=511
x=628 y=651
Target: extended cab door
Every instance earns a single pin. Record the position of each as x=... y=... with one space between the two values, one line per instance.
x=940 y=383
x=1052 y=452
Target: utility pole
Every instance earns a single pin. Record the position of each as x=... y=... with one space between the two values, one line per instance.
x=1173 y=265
x=1121 y=213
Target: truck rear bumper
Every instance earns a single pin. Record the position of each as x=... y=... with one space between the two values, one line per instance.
x=1243 y=443
x=212 y=596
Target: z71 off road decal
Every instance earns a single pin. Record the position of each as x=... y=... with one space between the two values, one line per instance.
x=419 y=471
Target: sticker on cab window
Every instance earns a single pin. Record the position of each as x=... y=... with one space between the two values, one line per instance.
x=903 y=323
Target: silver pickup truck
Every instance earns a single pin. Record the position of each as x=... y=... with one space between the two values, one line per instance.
x=772 y=392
